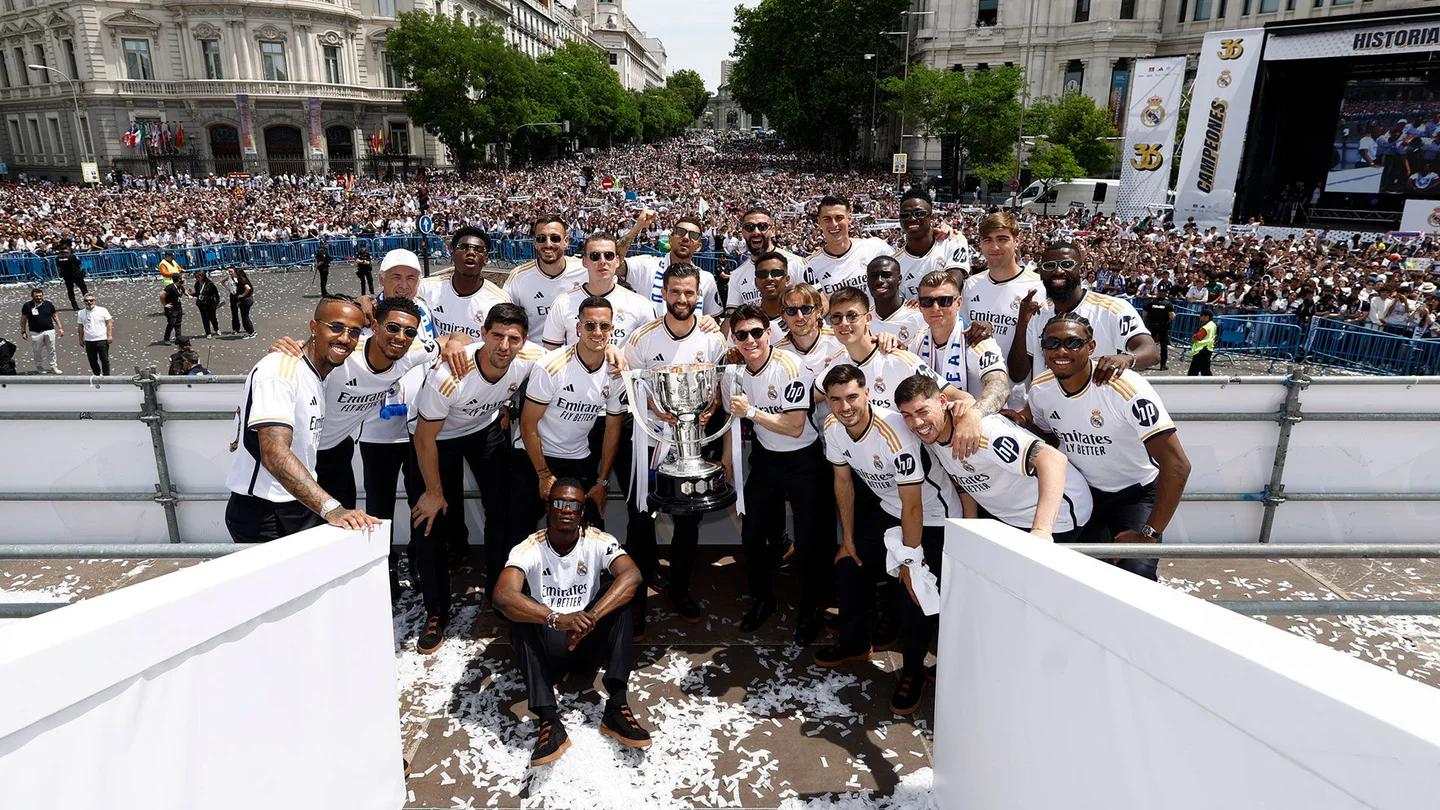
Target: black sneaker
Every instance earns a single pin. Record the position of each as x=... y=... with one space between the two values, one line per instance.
x=835 y=655
x=806 y=629
x=621 y=724
x=433 y=637
x=908 y=692
x=886 y=634
x=552 y=743
x=686 y=607
x=755 y=617
x=637 y=625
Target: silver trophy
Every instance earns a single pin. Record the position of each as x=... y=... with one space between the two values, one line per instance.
x=685 y=483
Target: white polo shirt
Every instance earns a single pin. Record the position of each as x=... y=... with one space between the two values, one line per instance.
x=1103 y=428
x=92 y=323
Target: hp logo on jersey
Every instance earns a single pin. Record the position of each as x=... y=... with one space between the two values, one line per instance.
x=1146 y=412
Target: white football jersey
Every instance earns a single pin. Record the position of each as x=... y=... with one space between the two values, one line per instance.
x=999 y=304
x=961 y=365
x=453 y=312
x=817 y=357
x=630 y=312
x=532 y=289
x=904 y=323
x=883 y=372
x=355 y=390
x=280 y=391
x=1114 y=320
x=396 y=428
x=570 y=583
x=1103 y=428
x=742 y=279
x=466 y=400
x=782 y=385
x=655 y=345
x=574 y=397
x=952 y=253
x=887 y=456
x=829 y=273
x=1002 y=480
x=647 y=275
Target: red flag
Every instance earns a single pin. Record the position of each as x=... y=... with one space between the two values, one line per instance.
x=180 y=136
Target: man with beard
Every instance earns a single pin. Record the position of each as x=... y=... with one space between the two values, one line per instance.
x=757 y=227
x=925 y=251
x=841 y=261
x=461 y=302
x=883 y=279
x=461 y=424
x=272 y=485
x=645 y=274
x=536 y=283
x=1121 y=340
x=995 y=295
x=630 y=310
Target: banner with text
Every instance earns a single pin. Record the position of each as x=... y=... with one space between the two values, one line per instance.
x=247 y=124
x=315 y=148
x=1150 y=134
x=1383 y=40
x=1215 y=131
x=1422 y=216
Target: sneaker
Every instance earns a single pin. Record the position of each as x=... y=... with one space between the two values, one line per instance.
x=755 y=617
x=621 y=724
x=886 y=634
x=908 y=692
x=248 y=336
x=806 y=629
x=552 y=743
x=686 y=607
x=834 y=656
x=433 y=636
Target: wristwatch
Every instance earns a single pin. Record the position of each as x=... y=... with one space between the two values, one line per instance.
x=329 y=506
x=751 y=411
x=1147 y=531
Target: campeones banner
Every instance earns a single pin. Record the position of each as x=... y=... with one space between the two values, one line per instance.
x=1215 y=132
x=1150 y=134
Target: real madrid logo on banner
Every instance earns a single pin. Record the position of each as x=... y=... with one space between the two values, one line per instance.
x=1434 y=218
x=1154 y=113
x=1223 y=80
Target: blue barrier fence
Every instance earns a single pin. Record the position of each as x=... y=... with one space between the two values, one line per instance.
x=1339 y=344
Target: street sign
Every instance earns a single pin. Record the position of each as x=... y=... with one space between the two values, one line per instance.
x=90 y=172
x=1014 y=184
x=900 y=163
x=427 y=225
x=695 y=175
x=608 y=183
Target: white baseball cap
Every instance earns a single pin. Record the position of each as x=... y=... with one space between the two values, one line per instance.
x=400 y=257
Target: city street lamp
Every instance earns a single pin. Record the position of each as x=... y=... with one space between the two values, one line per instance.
x=75 y=97
x=906 y=76
x=874 y=89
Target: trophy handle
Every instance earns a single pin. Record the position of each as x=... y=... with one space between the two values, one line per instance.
x=730 y=370
x=630 y=376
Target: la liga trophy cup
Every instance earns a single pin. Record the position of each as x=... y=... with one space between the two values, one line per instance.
x=685 y=483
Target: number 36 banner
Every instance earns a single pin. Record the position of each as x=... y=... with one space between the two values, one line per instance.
x=1150 y=134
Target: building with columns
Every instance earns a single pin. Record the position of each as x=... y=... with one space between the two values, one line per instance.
x=639 y=60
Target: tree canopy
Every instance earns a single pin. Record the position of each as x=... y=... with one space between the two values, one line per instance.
x=1075 y=122
x=979 y=108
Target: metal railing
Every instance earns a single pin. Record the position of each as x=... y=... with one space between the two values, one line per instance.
x=1341 y=344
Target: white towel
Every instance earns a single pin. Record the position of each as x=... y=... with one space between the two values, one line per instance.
x=642 y=461
x=922 y=579
x=737 y=444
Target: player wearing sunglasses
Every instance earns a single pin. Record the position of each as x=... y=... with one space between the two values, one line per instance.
x=536 y=283
x=631 y=310
x=1116 y=432
x=757 y=228
x=977 y=368
x=460 y=302
x=646 y=274
x=569 y=621
x=807 y=335
x=925 y=250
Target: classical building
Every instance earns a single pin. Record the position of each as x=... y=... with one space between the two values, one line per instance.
x=639 y=60
x=723 y=113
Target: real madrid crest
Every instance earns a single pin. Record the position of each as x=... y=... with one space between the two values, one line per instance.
x=580 y=568
x=1096 y=420
x=904 y=334
x=1154 y=112
x=967 y=465
x=879 y=465
x=1434 y=218
x=605 y=392
x=513 y=386
x=700 y=356
x=880 y=384
x=772 y=393
x=1224 y=79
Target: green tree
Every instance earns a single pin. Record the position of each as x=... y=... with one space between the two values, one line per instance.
x=1053 y=163
x=980 y=109
x=1075 y=122
x=577 y=83
x=663 y=113
x=471 y=88
x=801 y=64
x=688 y=85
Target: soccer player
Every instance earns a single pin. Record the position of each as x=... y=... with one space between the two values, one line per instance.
x=277 y=429
x=646 y=273
x=569 y=393
x=675 y=338
x=758 y=227
x=807 y=335
x=536 y=283
x=924 y=250
x=770 y=273
x=786 y=465
x=995 y=295
x=1122 y=341
x=841 y=261
x=1016 y=478
x=1117 y=433
x=569 y=622
x=630 y=311
x=874 y=443
x=461 y=424
x=977 y=368
x=883 y=280
x=460 y=303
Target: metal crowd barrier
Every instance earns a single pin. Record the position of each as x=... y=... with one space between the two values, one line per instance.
x=1341 y=344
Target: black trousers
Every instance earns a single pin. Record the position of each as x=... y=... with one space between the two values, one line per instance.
x=544 y=659
x=640 y=541
x=1162 y=339
x=256 y=520
x=383 y=465
x=1200 y=364
x=855 y=587
x=367 y=280
x=487 y=453
x=526 y=508
x=98 y=353
x=803 y=478
x=71 y=282
x=174 y=316
x=1115 y=512
x=208 y=321
x=240 y=311
x=335 y=474
x=324 y=279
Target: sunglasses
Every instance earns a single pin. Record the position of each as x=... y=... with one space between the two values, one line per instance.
x=928 y=301
x=805 y=310
x=596 y=255
x=1053 y=343
x=752 y=227
x=838 y=318
x=909 y=215
x=552 y=238
x=598 y=326
x=566 y=506
x=395 y=329
x=473 y=247
x=685 y=233
x=341 y=329
x=1063 y=264
x=771 y=273
x=749 y=334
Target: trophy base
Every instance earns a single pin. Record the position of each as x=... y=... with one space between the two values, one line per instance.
x=679 y=496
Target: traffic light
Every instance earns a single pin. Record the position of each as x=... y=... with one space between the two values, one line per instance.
x=424 y=199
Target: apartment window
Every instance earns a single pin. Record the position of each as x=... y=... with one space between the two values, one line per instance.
x=1341 y=2
x=1202 y=9
x=1269 y=6
x=35 y=139
x=272 y=62
x=1220 y=12
x=1082 y=11
x=1127 y=9
x=988 y=13
x=85 y=134
x=137 y=59
x=387 y=8
x=40 y=60
x=332 y=64
x=4 y=73
x=1074 y=77
x=1289 y=5
x=400 y=137
x=1183 y=6
x=17 y=144
x=210 y=52
x=20 y=65
x=57 y=141
x=70 y=60
x=392 y=76
x=614 y=59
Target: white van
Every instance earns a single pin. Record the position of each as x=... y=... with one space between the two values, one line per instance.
x=1095 y=195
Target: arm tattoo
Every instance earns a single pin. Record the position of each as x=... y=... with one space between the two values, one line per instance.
x=280 y=462
x=994 y=394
